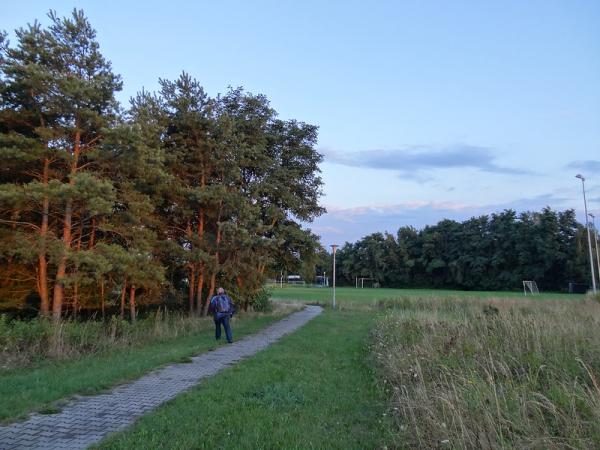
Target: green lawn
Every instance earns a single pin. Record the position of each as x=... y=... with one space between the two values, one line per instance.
x=312 y=389
x=35 y=388
x=350 y=295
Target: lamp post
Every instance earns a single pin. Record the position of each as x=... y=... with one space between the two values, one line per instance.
x=334 y=248
x=596 y=239
x=588 y=232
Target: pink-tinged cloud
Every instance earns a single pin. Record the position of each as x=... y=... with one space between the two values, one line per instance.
x=393 y=208
x=341 y=225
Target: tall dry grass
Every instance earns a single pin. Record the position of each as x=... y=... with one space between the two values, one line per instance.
x=496 y=373
x=23 y=342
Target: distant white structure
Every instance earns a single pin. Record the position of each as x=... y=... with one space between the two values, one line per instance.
x=530 y=286
x=371 y=282
x=295 y=279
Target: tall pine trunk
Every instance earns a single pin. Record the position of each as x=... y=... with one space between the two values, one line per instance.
x=240 y=284
x=123 y=293
x=59 y=287
x=132 y=303
x=213 y=275
x=192 y=287
x=102 y=303
x=61 y=270
x=76 y=284
x=92 y=235
x=192 y=271
x=211 y=289
x=200 y=282
x=199 y=287
x=42 y=281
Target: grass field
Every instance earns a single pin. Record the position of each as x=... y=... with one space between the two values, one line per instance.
x=350 y=295
x=395 y=368
x=313 y=389
x=41 y=386
x=496 y=373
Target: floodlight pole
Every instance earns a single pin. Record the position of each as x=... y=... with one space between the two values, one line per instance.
x=588 y=232
x=596 y=239
x=334 y=248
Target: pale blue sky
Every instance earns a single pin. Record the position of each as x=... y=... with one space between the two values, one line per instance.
x=426 y=109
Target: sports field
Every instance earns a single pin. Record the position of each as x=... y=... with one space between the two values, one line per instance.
x=370 y=296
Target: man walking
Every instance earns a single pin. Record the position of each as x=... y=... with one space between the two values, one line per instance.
x=223 y=309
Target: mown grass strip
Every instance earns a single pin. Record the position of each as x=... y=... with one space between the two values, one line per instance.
x=29 y=389
x=312 y=389
x=350 y=296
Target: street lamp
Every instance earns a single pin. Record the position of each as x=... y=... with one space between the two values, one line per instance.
x=588 y=232
x=596 y=239
x=334 y=248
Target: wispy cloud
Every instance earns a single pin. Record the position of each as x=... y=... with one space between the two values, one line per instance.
x=588 y=165
x=414 y=161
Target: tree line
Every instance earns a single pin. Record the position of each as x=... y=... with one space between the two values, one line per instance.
x=490 y=252
x=105 y=206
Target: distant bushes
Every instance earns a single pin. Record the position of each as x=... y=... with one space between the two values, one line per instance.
x=495 y=374
x=486 y=253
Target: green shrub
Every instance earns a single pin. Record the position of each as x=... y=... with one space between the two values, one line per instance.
x=261 y=301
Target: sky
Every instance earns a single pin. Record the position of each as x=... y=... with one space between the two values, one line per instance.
x=426 y=109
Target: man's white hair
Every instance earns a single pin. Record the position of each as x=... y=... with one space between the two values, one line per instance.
x=220 y=290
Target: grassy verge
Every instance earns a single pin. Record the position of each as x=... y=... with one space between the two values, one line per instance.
x=492 y=374
x=312 y=389
x=352 y=297
x=28 y=389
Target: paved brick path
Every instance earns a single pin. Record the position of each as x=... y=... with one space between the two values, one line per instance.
x=87 y=420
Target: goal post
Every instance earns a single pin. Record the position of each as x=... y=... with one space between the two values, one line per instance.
x=531 y=287
x=360 y=282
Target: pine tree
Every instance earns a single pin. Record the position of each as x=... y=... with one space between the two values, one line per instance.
x=83 y=88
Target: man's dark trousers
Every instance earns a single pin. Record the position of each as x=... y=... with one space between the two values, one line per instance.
x=223 y=318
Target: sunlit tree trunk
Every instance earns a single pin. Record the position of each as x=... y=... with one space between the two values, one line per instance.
x=132 y=302
x=61 y=271
x=42 y=256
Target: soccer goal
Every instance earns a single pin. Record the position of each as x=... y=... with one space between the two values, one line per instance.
x=531 y=287
x=363 y=282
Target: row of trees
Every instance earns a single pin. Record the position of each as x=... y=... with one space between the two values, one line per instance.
x=179 y=193
x=492 y=252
